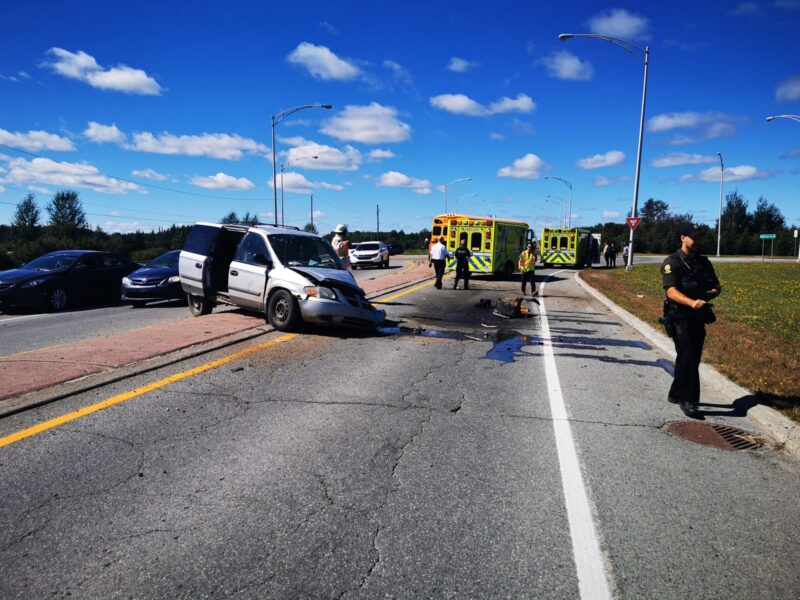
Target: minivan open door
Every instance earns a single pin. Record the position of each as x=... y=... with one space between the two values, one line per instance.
x=194 y=261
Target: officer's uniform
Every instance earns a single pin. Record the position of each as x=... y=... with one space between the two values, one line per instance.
x=462 y=256
x=694 y=276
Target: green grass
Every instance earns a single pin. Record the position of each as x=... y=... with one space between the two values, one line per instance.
x=764 y=297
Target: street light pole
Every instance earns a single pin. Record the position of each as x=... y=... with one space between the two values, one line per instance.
x=447 y=187
x=561 y=209
x=569 y=185
x=286 y=164
x=275 y=120
x=634 y=51
x=719 y=221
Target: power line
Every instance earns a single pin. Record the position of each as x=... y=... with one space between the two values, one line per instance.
x=90 y=170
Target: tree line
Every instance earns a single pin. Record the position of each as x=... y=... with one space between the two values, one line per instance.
x=658 y=232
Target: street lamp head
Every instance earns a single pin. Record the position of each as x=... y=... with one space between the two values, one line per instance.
x=565 y=36
x=770 y=119
x=327 y=106
x=718 y=154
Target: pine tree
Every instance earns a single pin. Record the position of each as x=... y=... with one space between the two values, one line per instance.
x=26 y=219
x=66 y=213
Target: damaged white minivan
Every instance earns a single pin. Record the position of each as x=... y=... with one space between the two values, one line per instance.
x=290 y=275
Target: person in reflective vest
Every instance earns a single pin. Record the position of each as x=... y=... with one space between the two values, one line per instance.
x=341 y=245
x=527 y=265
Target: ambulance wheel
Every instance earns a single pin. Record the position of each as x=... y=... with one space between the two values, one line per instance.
x=282 y=311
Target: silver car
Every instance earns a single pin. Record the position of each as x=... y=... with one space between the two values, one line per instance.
x=290 y=275
x=373 y=254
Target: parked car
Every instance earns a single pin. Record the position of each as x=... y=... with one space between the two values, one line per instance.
x=395 y=249
x=370 y=254
x=159 y=280
x=65 y=278
x=290 y=275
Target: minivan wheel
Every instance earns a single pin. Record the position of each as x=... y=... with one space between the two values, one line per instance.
x=199 y=306
x=282 y=311
x=57 y=299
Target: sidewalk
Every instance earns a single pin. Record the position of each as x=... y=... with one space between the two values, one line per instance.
x=26 y=373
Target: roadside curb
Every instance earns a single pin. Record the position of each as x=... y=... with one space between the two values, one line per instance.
x=36 y=398
x=781 y=430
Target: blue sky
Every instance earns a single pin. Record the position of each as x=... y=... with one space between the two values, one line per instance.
x=159 y=112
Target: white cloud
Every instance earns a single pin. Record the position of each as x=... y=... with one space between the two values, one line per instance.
x=329 y=27
x=380 y=154
x=399 y=72
x=460 y=65
x=603 y=181
x=372 y=124
x=213 y=145
x=150 y=174
x=34 y=141
x=222 y=181
x=740 y=173
x=104 y=133
x=38 y=189
x=710 y=125
x=609 y=159
x=744 y=9
x=464 y=105
x=322 y=63
x=397 y=179
x=496 y=136
x=675 y=159
x=328 y=157
x=610 y=214
x=123 y=226
x=565 y=65
x=44 y=170
x=788 y=90
x=529 y=166
x=620 y=23
x=297 y=183
x=84 y=67
x=24 y=75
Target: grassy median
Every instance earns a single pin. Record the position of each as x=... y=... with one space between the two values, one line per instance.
x=756 y=339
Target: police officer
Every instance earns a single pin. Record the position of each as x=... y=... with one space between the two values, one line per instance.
x=462 y=256
x=690 y=282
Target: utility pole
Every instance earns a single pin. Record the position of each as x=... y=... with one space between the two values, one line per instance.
x=378 y=214
x=312 y=210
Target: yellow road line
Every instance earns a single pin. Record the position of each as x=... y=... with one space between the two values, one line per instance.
x=87 y=410
x=403 y=293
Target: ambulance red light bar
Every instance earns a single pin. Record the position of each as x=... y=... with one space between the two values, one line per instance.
x=488 y=223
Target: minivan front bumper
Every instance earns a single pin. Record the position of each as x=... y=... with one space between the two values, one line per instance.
x=350 y=311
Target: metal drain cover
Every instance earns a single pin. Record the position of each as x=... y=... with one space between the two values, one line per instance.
x=715 y=435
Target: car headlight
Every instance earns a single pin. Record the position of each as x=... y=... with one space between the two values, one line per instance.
x=32 y=283
x=320 y=292
x=173 y=279
x=126 y=281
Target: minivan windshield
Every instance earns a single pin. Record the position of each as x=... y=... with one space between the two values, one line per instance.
x=304 y=251
x=52 y=262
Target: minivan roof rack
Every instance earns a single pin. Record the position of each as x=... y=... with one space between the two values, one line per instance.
x=278 y=226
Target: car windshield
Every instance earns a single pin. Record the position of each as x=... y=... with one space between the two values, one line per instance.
x=52 y=262
x=304 y=251
x=368 y=246
x=169 y=260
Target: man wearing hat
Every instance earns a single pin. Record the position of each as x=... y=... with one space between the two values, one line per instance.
x=690 y=282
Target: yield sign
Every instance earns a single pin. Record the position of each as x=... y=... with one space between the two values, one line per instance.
x=633 y=222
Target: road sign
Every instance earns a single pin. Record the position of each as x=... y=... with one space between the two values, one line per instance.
x=633 y=222
x=768 y=236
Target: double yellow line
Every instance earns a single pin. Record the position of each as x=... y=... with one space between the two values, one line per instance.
x=119 y=398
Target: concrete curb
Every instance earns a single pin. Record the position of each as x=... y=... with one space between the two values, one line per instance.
x=782 y=431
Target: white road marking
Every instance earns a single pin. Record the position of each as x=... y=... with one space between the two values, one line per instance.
x=592 y=577
x=9 y=319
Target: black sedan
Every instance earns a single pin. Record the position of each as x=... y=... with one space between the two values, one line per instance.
x=159 y=280
x=65 y=278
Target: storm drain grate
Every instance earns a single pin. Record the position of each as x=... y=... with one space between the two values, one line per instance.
x=715 y=435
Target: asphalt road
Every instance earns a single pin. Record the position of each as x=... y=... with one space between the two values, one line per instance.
x=429 y=461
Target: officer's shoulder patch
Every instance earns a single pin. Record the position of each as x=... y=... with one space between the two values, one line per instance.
x=667 y=269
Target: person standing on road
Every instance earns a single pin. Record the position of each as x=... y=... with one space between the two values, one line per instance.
x=625 y=249
x=462 y=255
x=341 y=244
x=607 y=254
x=527 y=265
x=612 y=250
x=438 y=256
x=690 y=282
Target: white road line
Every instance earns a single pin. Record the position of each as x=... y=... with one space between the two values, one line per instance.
x=591 y=571
x=9 y=319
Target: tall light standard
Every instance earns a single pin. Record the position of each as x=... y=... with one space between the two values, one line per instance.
x=719 y=222
x=275 y=120
x=796 y=119
x=644 y=58
x=462 y=197
x=447 y=187
x=284 y=165
x=561 y=208
x=569 y=185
